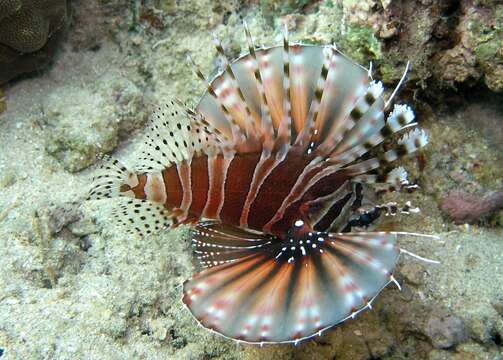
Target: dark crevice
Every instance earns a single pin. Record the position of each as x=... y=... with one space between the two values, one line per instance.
x=496 y=338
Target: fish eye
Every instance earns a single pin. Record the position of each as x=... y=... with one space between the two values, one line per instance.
x=365 y=217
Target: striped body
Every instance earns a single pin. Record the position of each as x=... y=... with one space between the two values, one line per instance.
x=277 y=156
x=238 y=192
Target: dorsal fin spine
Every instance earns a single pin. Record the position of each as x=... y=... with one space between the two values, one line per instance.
x=237 y=134
x=409 y=143
x=285 y=127
x=361 y=107
x=304 y=138
x=266 y=120
x=250 y=125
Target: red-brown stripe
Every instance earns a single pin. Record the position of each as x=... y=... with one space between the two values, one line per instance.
x=265 y=166
x=200 y=184
x=139 y=189
x=237 y=185
x=296 y=191
x=173 y=186
x=275 y=188
x=321 y=188
x=333 y=213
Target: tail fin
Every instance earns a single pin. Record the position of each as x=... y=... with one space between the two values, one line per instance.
x=136 y=216
x=113 y=179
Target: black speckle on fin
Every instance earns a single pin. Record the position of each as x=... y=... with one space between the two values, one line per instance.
x=141 y=217
x=109 y=180
x=170 y=138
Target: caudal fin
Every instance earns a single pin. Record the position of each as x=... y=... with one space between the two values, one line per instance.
x=111 y=180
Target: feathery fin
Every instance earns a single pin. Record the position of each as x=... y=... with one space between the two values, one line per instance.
x=285 y=126
x=408 y=144
x=265 y=113
x=286 y=291
x=110 y=180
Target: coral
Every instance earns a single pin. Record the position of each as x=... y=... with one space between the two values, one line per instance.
x=29 y=33
x=464 y=207
x=448 y=43
x=361 y=44
x=272 y=9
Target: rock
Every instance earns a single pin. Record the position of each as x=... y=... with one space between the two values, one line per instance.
x=159 y=329
x=445 y=332
x=474 y=351
x=499 y=307
x=487 y=30
x=413 y=272
x=62 y=216
x=487 y=330
x=7 y=179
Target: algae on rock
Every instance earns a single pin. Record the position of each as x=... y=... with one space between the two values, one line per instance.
x=488 y=33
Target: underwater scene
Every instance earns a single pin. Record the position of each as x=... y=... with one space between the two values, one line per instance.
x=251 y=179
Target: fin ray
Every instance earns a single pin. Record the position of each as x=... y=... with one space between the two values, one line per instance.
x=286 y=293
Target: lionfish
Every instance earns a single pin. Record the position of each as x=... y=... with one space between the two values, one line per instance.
x=276 y=167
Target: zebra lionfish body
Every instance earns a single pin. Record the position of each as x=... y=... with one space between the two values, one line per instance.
x=273 y=167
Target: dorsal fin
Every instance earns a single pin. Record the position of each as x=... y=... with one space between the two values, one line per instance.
x=312 y=96
x=365 y=119
x=408 y=144
x=285 y=126
x=310 y=131
x=265 y=113
x=396 y=177
x=236 y=104
x=230 y=126
x=400 y=118
x=305 y=68
x=169 y=139
x=208 y=138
